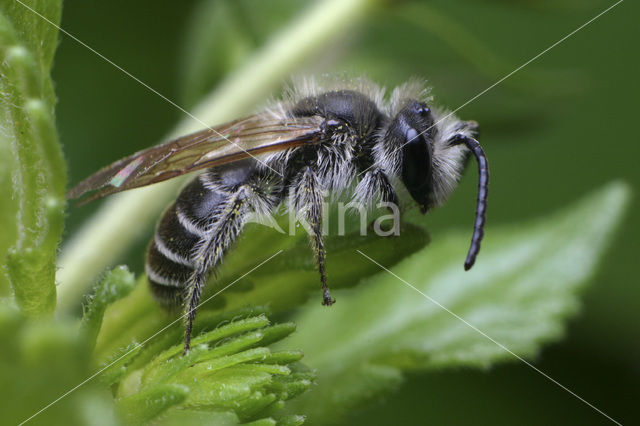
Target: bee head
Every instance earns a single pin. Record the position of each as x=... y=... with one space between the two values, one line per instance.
x=413 y=130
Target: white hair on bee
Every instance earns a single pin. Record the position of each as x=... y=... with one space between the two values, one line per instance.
x=276 y=109
x=337 y=158
x=415 y=88
x=309 y=86
x=388 y=156
x=448 y=160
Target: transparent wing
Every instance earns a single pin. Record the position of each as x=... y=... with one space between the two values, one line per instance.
x=222 y=144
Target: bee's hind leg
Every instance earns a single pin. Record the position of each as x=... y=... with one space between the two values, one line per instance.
x=210 y=251
x=192 y=299
x=306 y=197
x=231 y=218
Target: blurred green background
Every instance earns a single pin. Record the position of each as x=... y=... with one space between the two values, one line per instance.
x=554 y=131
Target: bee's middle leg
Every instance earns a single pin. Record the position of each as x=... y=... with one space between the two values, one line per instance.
x=307 y=196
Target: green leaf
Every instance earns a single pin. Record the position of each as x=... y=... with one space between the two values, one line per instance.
x=145 y=406
x=291 y=278
x=118 y=365
x=117 y=284
x=283 y=283
x=229 y=370
x=522 y=289
x=33 y=171
x=208 y=327
x=216 y=335
x=290 y=420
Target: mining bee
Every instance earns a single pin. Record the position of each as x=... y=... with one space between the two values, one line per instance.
x=336 y=136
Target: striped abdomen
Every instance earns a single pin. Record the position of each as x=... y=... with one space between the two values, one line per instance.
x=182 y=227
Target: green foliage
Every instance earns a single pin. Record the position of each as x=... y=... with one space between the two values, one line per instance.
x=519 y=294
x=229 y=372
x=127 y=355
x=149 y=404
x=223 y=34
x=282 y=277
x=116 y=285
x=39 y=362
x=453 y=33
x=283 y=283
x=32 y=168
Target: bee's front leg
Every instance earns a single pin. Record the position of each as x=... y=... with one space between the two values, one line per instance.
x=375 y=185
x=306 y=197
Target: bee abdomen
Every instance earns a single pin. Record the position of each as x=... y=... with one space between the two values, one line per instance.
x=183 y=226
x=168 y=265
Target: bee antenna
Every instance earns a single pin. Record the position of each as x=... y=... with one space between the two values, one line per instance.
x=483 y=193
